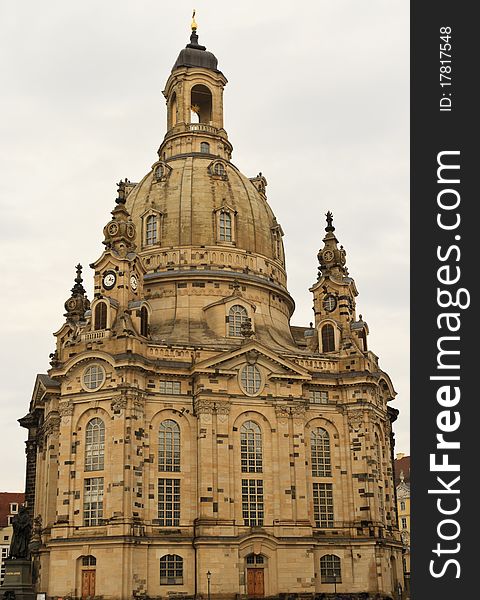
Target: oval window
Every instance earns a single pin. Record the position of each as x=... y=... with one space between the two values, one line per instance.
x=93 y=377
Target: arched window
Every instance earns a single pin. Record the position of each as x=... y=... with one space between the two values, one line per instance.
x=94 y=445
x=330 y=569
x=100 y=321
x=173 y=110
x=151 y=230
x=225 y=227
x=205 y=148
x=251 y=447
x=402 y=505
x=236 y=316
x=171 y=570
x=320 y=449
x=328 y=338
x=144 y=321
x=169 y=446
x=201 y=103
x=89 y=561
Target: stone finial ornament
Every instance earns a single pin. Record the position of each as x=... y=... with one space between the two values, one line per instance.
x=78 y=303
x=120 y=232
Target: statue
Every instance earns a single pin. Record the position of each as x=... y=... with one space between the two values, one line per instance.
x=22 y=528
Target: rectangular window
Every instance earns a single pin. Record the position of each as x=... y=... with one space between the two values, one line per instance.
x=2 y=564
x=169 y=502
x=318 y=397
x=93 y=501
x=323 y=505
x=252 y=502
x=169 y=387
x=13 y=508
x=404 y=522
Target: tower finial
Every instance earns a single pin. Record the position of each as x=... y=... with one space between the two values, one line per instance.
x=194 y=24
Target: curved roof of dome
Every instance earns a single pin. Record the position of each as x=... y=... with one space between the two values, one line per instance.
x=189 y=197
x=195 y=55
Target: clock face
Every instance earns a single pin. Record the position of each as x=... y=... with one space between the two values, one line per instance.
x=109 y=280
x=328 y=255
x=133 y=282
x=329 y=303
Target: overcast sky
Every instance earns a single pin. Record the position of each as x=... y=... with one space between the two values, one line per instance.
x=317 y=100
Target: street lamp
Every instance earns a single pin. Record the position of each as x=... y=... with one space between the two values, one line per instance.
x=209 y=575
x=335 y=575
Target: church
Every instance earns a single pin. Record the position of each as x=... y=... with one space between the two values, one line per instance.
x=187 y=440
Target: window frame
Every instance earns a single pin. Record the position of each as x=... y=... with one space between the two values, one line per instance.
x=328 y=564
x=94 y=459
x=171 y=563
x=253 y=502
x=169 y=446
x=168 y=510
x=235 y=321
x=93 y=515
x=251 y=447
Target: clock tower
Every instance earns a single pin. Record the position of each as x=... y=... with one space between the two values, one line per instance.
x=118 y=282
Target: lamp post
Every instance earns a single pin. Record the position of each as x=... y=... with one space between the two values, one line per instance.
x=209 y=575
x=335 y=582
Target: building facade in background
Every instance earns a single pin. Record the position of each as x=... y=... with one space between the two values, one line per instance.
x=9 y=505
x=402 y=483
x=188 y=440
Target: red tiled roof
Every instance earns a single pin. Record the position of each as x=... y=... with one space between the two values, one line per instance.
x=6 y=498
x=402 y=464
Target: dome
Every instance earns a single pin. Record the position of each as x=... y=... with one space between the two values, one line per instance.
x=206 y=215
x=195 y=55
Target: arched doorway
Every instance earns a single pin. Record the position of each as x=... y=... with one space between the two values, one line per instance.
x=255 y=566
x=87 y=576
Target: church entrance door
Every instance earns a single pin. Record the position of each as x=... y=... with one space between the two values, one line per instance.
x=255 y=583
x=88 y=583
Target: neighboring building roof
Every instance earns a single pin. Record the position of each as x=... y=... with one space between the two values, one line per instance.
x=402 y=465
x=6 y=498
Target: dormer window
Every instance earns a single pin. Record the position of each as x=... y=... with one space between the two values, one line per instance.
x=237 y=315
x=100 y=318
x=159 y=172
x=144 y=321
x=151 y=230
x=225 y=229
x=225 y=225
x=328 y=338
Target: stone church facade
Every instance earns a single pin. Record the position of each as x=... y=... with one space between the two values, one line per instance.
x=187 y=440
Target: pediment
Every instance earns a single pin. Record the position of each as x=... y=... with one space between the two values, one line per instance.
x=253 y=352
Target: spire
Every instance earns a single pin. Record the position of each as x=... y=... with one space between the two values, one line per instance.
x=120 y=232
x=332 y=259
x=194 y=37
x=78 y=303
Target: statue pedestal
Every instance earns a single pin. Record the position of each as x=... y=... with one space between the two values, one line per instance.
x=18 y=579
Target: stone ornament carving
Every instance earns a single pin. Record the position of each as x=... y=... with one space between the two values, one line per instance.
x=298 y=411
x=66 y=408
x=355 y=420
x=223 y=410
x=282 y=413
x=118 y=404
x=52 y=425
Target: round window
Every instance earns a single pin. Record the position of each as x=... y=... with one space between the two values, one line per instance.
x=93 y=377
x=329 y=303
x=251 y=379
